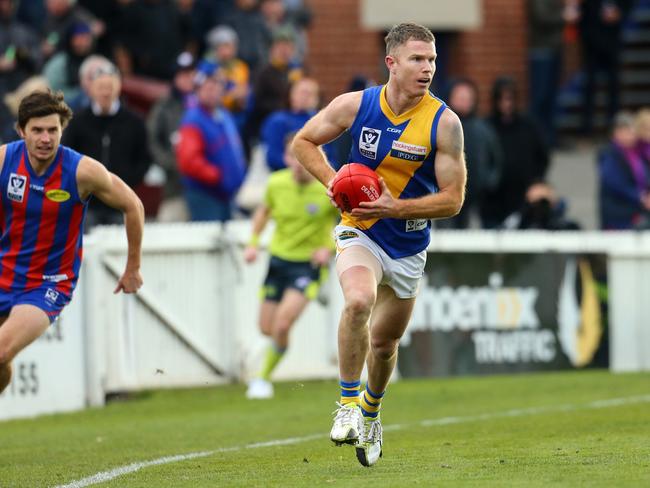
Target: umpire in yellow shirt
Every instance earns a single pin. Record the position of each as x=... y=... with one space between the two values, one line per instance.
x=301 y=247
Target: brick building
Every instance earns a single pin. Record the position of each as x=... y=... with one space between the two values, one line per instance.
x=341 y=47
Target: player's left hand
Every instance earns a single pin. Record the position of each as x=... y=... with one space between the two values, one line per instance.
x=130 y=282
x=384 y=206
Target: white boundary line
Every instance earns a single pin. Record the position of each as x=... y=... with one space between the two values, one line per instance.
x=103 y=476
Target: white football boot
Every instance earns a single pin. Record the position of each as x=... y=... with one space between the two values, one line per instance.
x=348 y=424
x=259 y=389
x=370 y=443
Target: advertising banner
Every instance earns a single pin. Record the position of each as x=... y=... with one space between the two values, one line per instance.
x=482 y=313
x=49 y=375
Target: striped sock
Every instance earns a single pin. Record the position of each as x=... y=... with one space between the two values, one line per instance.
x=371 y=403
x=271 y=360
x=350 y=391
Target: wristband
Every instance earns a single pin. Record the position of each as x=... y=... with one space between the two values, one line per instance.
x=254 y=240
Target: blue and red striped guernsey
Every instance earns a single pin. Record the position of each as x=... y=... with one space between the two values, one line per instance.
x=42 y=222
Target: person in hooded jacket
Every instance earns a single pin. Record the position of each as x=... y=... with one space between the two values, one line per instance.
x=525 y=154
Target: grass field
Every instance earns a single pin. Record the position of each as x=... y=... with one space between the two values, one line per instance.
x=588 y=428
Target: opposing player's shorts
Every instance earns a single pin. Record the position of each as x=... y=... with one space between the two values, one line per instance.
x=402 y=275
x=283 y=274
x=45 y=297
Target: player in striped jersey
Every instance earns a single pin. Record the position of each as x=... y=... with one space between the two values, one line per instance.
x=44 y=190
x=415 y=144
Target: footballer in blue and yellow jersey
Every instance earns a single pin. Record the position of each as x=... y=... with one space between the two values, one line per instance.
x=402 y=150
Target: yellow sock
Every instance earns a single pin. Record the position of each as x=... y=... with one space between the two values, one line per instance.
x=350 y=392
x=271 y=360
x=371 y=403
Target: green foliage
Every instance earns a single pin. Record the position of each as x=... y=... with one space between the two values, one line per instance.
x=525 y=430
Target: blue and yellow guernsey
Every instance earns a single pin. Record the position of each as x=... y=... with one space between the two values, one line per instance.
x=402 y=150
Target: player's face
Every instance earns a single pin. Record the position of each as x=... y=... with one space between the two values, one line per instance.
x=412 y=66
x=42 y=137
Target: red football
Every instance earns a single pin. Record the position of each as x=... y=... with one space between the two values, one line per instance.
x=355 y=183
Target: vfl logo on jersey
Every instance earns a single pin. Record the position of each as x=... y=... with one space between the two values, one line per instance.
x=416 y=224
x=369 y=142
x=410 y=152
x=51 y=296
x=57 y=196
x=16 y=187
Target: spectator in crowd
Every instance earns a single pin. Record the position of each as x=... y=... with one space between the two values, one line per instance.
x=300 y=249
x=525 y=154
x=642 y=127
x=271 y=89
x=20 y=56
x=276 y=18
x=600 y=30
x=542 y=210
x=149 y=39
x=11 y=102
x=163 y=124
x=205 y=15
x=110 y=14
x=546 y=22
x=303 y=103
x=624 y=195
x=186 y=25
x=31 y=13
x=92 y=63
x=254 y=37
x=62 y=69
x=223 y=44
x=483 y=154
x=61 y=16
x=209 y=151
x=111 y=133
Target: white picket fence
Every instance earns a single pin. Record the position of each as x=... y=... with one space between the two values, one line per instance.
x=194 y=322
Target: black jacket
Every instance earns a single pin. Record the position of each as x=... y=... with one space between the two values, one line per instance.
x=117 y=141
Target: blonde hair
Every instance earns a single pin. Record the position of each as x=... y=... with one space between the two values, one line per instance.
x=642 y=119
x=404 y=32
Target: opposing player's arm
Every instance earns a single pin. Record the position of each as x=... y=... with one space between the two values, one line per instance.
x=451 y=176
x=324 y=127
x=94 y=179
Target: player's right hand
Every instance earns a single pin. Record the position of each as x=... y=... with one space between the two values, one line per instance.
x=250 y=254
x=130 y=282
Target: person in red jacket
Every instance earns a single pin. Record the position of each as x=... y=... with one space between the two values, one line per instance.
x=209 y=152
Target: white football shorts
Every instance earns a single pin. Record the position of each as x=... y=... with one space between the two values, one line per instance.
x=402 y=275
